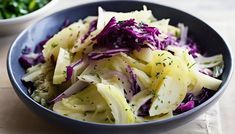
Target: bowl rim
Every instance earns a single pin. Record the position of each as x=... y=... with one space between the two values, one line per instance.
x=19 y=91
x=29 y=15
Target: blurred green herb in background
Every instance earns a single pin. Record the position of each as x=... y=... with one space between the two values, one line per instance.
x=15 y=8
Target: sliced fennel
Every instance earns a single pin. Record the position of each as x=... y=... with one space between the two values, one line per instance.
x=170 y=94
x=64 y=39
x=134 y=63
x=139 y=99
x=86 y=46
x=87 y=105
x=34 y=72
x=218 y=70
x=122 y=112
x=209 y=82
x=142 y=78
x=93 y=79
x=199 y=80
x=60 y=69
x=157 y=117
x=145 y=54
x=41 y=77
x=162 y=25
x=78 y=69
x=74 y=88
x=173 y=30
x=209 y=62
x=139 y=16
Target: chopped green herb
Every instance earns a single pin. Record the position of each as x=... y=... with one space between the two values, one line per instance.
x=162 y=54
x=164 y=64
x=156 y=107
x=192 y=65
x=158 y=73
x=53 y=45
x=158 y=63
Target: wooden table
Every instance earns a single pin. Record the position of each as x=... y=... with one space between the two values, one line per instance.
x=15 y=118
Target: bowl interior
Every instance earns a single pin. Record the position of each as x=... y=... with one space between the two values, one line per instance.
x=207 y=39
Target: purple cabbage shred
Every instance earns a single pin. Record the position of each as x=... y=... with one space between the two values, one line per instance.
x=39 y=46
x=26 y=61
x=128 y=34
x=191 y=101
x=26 y=50
x=193 y=47
x=133 y=79
x=29 y=58
x=91 y=29
x=69 y=69
x=144 y=109
x=183 y=107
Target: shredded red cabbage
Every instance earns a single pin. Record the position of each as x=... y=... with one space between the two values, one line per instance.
x=69 y=69
x=39 y=46
x=191 y=101
x=169 y=40
x=133 y=79
x=128 y=34
x=26 y=50
x=183 y=107
x=203 y=96
x=193 y=47
x=144 y=109
x=92 y=28
x=28 y=60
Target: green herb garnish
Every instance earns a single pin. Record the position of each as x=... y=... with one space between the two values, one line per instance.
x=15 y=8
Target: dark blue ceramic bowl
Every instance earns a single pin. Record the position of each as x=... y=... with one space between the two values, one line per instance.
x=208 y=40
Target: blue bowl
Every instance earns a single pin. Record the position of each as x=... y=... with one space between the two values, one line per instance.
x=208 y=40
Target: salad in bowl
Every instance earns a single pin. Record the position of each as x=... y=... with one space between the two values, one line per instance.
x=120 y=68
